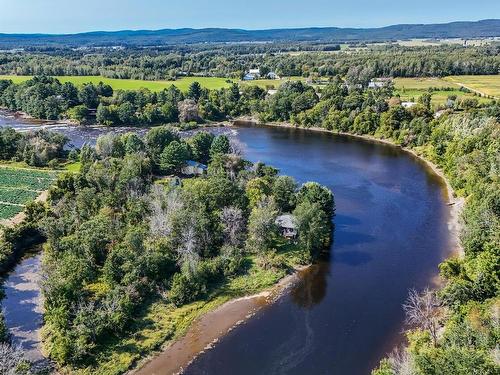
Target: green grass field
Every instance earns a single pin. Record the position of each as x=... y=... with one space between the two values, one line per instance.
x=420 y=83
x=489 y=85
x=212 y=83
x=265 y=83
x=131 y=84
x=412 y=88
x=19 y=186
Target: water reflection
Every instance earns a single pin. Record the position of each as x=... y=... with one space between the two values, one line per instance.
x=312 y=287
x=22 y=306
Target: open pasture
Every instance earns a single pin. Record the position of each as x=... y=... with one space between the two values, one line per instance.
x=488 y=85
x=134 y=84
x=410 y=89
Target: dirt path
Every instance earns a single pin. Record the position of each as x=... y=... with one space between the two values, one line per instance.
x=473 y=90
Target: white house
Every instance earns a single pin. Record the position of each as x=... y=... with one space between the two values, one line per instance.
x=408 y=104
x=376 y=83
x=251 y=75
x=287 y=225
x=193 y=168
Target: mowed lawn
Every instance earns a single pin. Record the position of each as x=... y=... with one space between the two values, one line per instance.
x=133 y=84
x=19 y=186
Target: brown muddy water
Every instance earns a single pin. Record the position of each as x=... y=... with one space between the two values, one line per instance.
x=344 y=314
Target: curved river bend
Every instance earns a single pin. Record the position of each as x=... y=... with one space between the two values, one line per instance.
x=391 y=234
x=345 y=313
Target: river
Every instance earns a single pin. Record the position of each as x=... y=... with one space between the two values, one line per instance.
x=391 y=232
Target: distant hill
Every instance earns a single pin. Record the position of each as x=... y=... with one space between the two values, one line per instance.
x=479 y=29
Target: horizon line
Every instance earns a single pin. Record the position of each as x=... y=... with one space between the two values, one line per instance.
x=245 y=29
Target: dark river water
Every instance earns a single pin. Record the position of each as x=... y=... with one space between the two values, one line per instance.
x=391 y=232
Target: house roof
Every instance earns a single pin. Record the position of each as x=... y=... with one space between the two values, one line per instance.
x=192 y=163
x=286 y=221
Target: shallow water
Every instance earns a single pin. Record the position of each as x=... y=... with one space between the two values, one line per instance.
x=22 y=306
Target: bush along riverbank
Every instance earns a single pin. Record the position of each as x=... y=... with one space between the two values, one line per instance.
x=133 y=257
x=453 y=330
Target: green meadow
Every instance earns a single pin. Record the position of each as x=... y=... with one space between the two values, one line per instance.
x=410 y=89
x=134 y=84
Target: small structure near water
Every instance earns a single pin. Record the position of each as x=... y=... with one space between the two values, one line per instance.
x=287 y=226
x=193 y=168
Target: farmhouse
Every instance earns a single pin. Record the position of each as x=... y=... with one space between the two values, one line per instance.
x=376 y=83
x=287 y=226
x=193 y=168
x=252 y=74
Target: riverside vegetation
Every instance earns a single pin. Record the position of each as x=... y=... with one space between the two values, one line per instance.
x=123 y=241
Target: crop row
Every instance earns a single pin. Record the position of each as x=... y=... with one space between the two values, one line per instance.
x=8 y=211
x=27 y=179
x=16 y=196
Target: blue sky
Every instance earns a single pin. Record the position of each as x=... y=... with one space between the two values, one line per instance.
x=69 y=16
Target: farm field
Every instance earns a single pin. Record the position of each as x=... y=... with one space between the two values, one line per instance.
x=489 y=85
x=410 y=89
x=182 y=83
x=18 y=186
x=131 y=84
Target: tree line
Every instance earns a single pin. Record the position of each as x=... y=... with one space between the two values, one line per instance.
x=233 y=61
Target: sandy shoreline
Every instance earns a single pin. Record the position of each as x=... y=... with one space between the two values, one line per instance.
x=211 y=327
x=208 y=329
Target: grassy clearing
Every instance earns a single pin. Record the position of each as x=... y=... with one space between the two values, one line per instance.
x=270 y=83
x=488 y=85
x=162 y=322
x=420 y=83
x=212 y=83
x=19 y=186
x=131 y=84
x=410 y=89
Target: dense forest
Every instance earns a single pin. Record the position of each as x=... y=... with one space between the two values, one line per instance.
x=233 y=60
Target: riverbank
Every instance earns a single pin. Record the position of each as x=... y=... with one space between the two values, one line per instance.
x=164 y=336
x=456 y=203
x=209 y=328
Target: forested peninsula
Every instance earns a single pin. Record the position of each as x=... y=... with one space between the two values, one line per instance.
x=130 y=233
